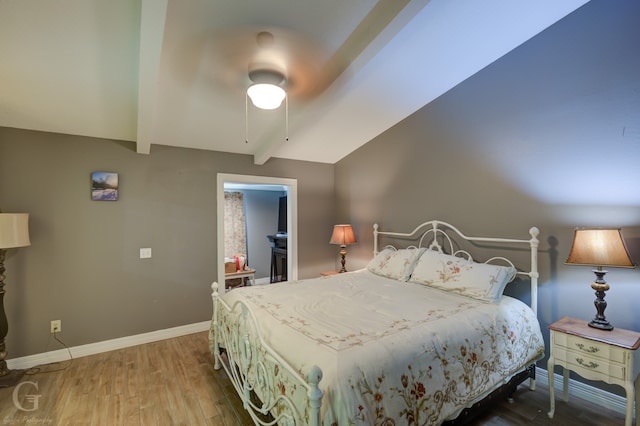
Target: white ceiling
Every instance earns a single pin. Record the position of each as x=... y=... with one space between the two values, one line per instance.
x=157 y=72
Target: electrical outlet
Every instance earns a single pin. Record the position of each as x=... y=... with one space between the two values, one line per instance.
x=145 y=253
x=56 y=326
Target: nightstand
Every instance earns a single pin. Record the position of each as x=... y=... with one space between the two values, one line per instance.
x=610 y=356
x=326 y=274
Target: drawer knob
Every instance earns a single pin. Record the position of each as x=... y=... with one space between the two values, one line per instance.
x=591 y=364
x=590 y=349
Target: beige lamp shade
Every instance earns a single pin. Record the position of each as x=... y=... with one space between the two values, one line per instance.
x=343 y=235
x=14 y=230
x=599 y=247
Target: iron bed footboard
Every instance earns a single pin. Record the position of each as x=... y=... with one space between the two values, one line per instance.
x=257 y=372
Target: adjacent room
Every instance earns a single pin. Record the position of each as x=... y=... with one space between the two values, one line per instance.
x=123 y=124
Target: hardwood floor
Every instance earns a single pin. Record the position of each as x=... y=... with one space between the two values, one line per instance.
x=172 y=382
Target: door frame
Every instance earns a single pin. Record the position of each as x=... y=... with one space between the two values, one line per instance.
x=292 y=218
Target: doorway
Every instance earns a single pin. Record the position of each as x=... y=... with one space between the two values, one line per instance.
x=290 y=186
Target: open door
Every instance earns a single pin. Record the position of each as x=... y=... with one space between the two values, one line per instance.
x=292 y=218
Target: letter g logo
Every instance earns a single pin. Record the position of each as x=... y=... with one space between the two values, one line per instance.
x=32 y=399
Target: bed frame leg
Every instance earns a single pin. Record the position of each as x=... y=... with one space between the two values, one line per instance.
x=213 y=341
x=532 y=377
x=314 y=395
x=530 y=374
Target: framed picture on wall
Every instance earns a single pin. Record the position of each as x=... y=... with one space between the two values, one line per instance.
x=104 y=186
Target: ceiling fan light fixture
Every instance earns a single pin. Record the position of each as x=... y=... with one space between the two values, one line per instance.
x=266 y=96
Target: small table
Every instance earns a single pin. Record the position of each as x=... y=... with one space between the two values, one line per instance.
x=610 y=356
x=278 y=264
x=243 y=275
x=278 y=257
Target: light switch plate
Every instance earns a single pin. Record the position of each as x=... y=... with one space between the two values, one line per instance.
x=145 y=253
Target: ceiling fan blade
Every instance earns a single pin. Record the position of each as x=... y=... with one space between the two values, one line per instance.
x=308 y=67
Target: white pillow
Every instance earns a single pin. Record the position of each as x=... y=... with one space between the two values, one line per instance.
x=395 y=263
x=454 y=274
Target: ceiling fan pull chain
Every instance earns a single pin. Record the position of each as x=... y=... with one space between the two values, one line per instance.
x=286 y=118
x=246 y=118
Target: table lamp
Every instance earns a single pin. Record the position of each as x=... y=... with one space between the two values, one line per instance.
x=343 y=235
x=599 y=247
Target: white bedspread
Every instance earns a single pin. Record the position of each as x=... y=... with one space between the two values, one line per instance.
x=393 y=352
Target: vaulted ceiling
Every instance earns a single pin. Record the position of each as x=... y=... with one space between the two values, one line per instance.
x=175 y=72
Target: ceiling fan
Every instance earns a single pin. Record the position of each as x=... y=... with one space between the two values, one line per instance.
x=281 y=61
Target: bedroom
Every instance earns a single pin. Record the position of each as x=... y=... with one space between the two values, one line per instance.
x=552 y=134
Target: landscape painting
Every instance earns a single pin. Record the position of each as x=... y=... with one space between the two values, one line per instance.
x=104 y=186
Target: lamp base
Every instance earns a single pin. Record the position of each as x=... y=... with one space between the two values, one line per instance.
x=601 y=324
x=11 y=378
x=600 y=286
x=343 y=253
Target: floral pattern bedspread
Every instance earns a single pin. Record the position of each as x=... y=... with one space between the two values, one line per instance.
x=392 y=352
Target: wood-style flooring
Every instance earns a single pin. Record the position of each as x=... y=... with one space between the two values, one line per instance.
x=172 y=382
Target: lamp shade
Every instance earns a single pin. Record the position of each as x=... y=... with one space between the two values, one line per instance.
x=343 y=235
x=14 y=230
x=599 y=247
x=266 y=95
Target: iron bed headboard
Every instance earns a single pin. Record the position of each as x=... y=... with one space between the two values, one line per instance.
x=437 y=228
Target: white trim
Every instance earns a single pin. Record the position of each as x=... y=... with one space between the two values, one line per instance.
x=105 y=346
x=581 y=390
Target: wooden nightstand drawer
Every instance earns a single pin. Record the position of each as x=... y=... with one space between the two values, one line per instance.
x=589 y=347
x=588 y=366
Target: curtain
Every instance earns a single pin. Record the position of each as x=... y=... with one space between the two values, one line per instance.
x=235 y=224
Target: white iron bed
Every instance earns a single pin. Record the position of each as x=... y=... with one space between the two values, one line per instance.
x=420 y=336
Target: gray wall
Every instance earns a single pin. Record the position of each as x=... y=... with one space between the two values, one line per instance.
x=83 y=266
x=537 y=139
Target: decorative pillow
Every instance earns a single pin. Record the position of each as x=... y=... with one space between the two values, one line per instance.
x=457 y=275
x=395 y=263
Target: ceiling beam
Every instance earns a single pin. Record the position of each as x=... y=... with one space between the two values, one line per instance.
x=380 y=16
x=152 y=22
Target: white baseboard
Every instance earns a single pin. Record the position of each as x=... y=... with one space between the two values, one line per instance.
x=105 y=346
x=581 y=390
